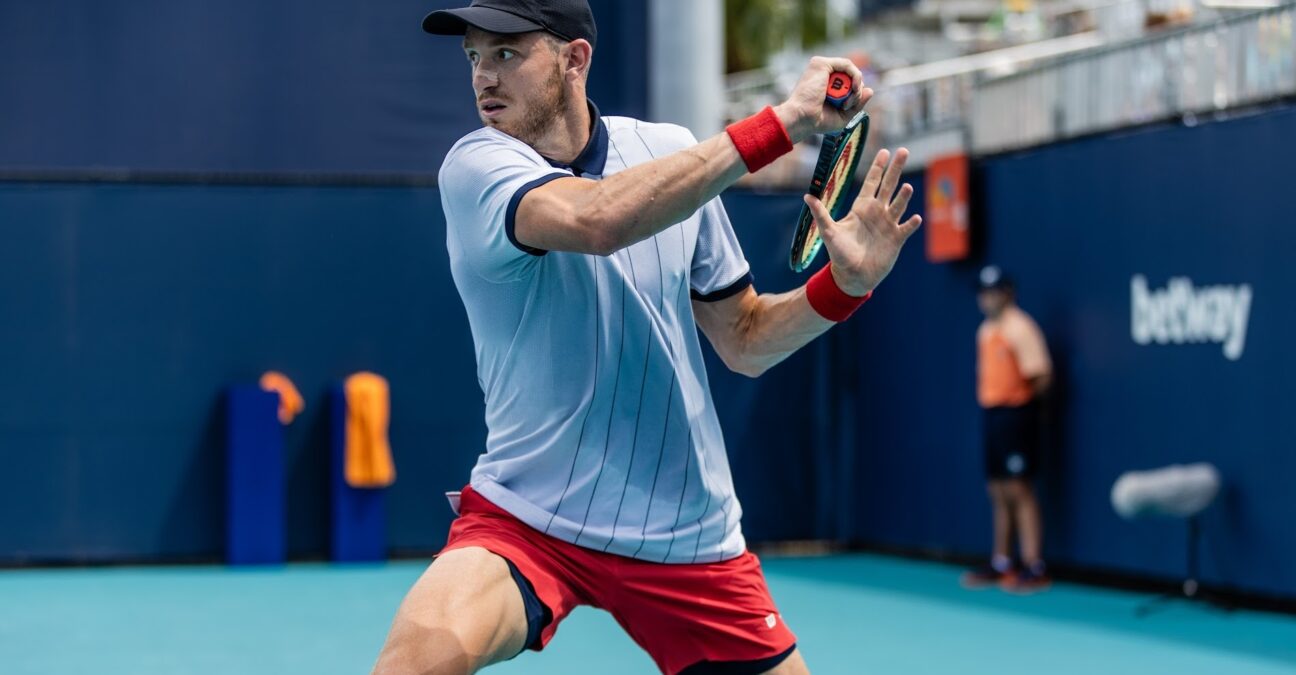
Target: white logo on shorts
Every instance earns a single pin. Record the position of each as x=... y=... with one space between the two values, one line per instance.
x=1016 y=463
x=771 y=620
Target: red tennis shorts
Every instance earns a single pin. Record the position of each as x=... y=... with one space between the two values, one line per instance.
x=682 y=615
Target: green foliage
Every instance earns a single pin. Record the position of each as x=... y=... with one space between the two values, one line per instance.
x=755 y=29
x=814 y=21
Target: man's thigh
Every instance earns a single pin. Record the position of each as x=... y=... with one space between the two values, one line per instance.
x=465 y=612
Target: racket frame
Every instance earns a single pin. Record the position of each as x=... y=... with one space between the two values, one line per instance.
x=806 y=241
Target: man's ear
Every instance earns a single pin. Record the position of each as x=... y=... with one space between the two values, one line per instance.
x=578 y=55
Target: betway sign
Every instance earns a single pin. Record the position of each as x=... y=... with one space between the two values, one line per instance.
x=1182 y=313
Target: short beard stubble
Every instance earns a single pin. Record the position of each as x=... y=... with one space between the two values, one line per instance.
x=545 y=111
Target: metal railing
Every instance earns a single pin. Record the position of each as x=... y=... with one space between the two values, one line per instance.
x=1234 y=62
x=911 y=104
x=917 y=100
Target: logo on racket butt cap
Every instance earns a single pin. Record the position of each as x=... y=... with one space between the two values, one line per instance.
x=839 y=89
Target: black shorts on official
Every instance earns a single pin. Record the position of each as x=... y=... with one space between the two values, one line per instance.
x=1011 y=438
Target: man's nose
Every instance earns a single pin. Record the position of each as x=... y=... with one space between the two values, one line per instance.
x=484 y=78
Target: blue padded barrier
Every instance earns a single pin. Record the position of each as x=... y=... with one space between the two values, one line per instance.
x=254 y=462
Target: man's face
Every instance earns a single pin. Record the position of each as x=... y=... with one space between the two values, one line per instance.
x=518 y=80
x=993 y=301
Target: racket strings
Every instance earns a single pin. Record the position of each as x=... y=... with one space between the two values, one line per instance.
x=833 y=176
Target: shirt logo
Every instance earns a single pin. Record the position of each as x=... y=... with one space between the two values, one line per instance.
x=771 y=621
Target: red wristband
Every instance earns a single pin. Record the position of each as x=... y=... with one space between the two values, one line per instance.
x=760 y=139
x=828 y=299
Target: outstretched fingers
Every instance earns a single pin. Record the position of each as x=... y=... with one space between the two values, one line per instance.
x=874 y=177
x=901 y=202
x=892 y=176
x=908 y=227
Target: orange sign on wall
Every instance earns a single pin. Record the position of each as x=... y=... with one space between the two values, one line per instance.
x=947 y=209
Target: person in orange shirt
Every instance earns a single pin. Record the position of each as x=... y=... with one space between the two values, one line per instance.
x=1013 y=372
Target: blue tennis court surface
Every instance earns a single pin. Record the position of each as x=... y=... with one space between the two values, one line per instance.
x=853 y=614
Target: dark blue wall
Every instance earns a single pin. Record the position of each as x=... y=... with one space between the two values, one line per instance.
x=136 y=304
x=131 y=307
x=321 y=87
x=790 y=434
x=619 y=78
x=1074 y=223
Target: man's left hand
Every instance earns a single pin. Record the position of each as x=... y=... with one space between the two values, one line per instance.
x=864 y=245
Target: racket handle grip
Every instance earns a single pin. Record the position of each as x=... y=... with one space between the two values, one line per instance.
x=839 y=89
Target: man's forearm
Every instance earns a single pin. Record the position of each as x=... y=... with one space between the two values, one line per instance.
x=635 y=204
x=643 y=200
x=786 y=323
x=646 y=199
x=769 y=328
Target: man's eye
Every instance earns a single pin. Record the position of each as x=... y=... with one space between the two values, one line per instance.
x=506 y=54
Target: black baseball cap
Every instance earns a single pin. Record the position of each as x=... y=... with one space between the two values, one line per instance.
x=992 y=278
x=568 y=19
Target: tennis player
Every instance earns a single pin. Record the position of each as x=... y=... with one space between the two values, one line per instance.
x=586 y=250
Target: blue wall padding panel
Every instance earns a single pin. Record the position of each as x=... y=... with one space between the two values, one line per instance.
x=358 y=516
x=330 y=86
x=255 y=489
x=131 y=290
x=619 y=79
x=1075 y=223
x=136 y=304
x=788 y=433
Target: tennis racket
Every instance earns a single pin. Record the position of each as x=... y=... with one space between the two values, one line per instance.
x=834 y=174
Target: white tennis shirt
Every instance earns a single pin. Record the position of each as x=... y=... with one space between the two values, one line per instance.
x=602 y=432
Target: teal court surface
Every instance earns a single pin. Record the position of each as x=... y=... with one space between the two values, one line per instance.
x=852 y=613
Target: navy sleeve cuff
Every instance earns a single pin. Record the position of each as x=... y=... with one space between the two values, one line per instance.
x=728 y=291
x=510 y=215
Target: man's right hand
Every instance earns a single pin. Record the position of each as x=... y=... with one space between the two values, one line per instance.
x=807 y=111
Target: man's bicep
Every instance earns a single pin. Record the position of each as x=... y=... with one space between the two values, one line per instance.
x=724 y=321
x=548 y=216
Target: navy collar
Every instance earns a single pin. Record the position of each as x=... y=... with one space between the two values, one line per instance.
x=593 y=159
